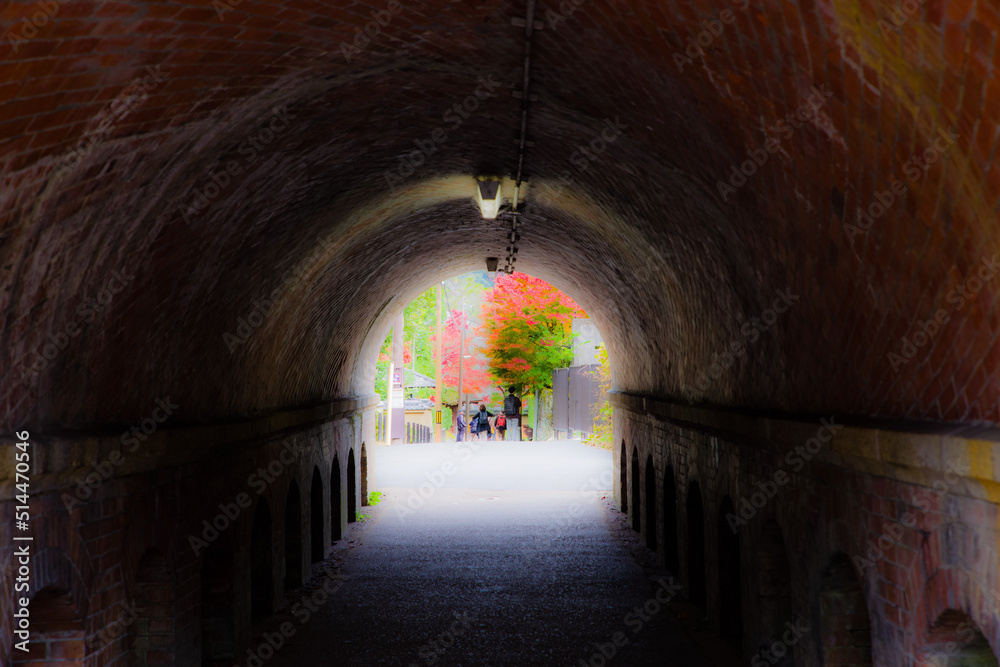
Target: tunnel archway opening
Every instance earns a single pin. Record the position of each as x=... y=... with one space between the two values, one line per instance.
x=154 y=605
x=352 y=489
x=636 y=491
x=316 y=546
x=696 y=546
x=954 y=640
x=730 y=585
x=494 y=332
x=844 y=620
x=57 y=634
x=293 y=537
x=261 y=564
x=650 y=504
x=336 y=511
x=774 y=589
x=218 y=604
x=671 y=556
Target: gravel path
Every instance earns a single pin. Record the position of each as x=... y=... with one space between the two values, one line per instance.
x=491 y=577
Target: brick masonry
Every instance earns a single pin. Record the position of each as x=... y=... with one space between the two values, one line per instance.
x=640 y=235
x=838 y=529
x=157 y=242
x=124 y=555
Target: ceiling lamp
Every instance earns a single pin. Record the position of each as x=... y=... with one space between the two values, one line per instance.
x=489 y=196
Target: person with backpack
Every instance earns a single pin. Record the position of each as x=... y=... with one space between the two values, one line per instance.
x=512 y=415
x=473 y=428
x=501 y=425
x=482 y=421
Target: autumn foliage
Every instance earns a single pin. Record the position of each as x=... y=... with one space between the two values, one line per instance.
x=475 y=378
x=527 y=329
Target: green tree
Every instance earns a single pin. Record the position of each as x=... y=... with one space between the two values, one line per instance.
x=528 y=332
x=418 y=346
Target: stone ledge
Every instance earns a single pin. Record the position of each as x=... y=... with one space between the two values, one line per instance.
x=56 y=458
x=916 y=453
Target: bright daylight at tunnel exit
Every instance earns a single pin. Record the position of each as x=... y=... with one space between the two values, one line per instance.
x=531 y=332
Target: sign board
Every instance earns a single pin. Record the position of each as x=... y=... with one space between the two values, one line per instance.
x=397 y=377
x=397 y=402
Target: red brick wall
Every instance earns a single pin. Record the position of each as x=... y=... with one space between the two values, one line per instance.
x=125 y=557
x=871 y=562
x=669 y=269
x=57 y=632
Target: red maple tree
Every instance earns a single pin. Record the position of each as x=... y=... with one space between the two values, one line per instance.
x=527 y=329
x=476 y=379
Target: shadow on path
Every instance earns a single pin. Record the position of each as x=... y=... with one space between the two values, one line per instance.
x=487 y=577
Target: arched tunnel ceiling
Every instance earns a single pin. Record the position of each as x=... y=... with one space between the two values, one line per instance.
x=671 y=267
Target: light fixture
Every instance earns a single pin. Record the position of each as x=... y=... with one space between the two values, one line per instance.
x=489 y=196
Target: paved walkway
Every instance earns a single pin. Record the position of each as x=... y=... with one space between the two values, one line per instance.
x=487 y=557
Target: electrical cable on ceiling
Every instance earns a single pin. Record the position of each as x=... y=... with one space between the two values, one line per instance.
x=525 y=95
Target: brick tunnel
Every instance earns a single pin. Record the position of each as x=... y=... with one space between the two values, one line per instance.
x=782 y=216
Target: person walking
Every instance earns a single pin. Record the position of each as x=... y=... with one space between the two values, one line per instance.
x=501 y=425
x=460 y=428
x=512 y=415
x=482 y=419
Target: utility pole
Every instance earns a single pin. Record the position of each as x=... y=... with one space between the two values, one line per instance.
x=461 y=360
x=461 y=365
x=438 y=408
